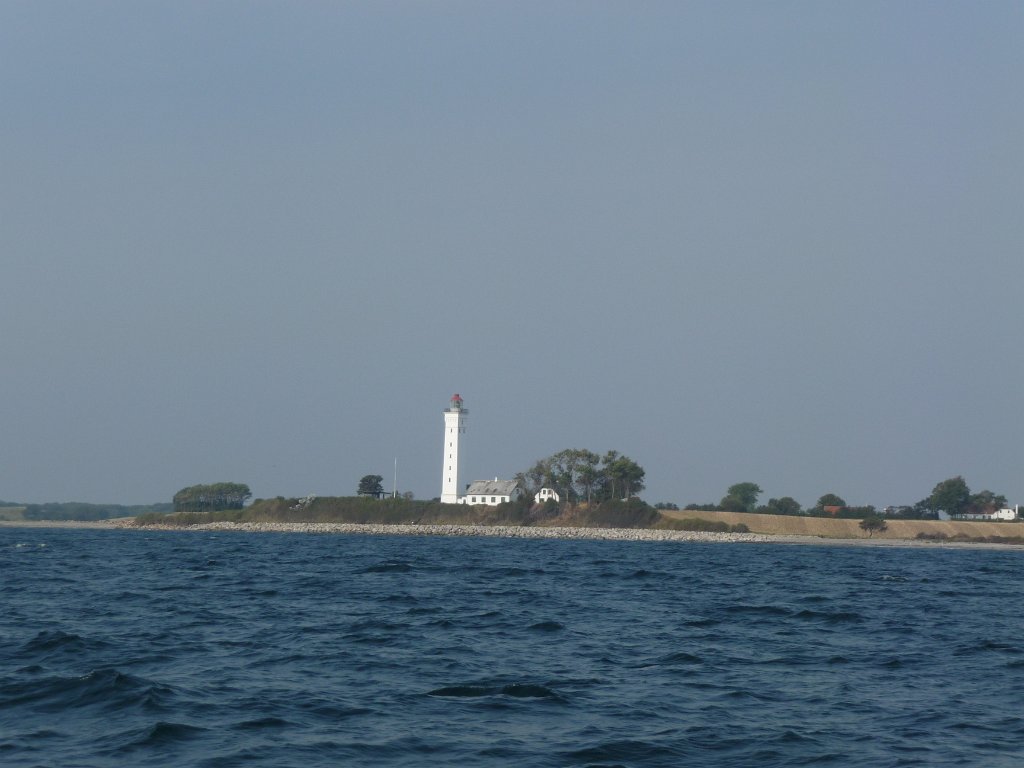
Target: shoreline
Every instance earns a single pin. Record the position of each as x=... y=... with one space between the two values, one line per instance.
x=503 y=531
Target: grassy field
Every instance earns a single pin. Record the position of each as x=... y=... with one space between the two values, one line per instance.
x=12 y=513
x=850 y=529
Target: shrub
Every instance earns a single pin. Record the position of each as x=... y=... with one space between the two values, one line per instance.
x=632 y=513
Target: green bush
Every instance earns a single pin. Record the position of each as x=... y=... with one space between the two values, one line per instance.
x=632 y=513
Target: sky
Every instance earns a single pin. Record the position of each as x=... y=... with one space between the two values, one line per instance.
x=265 y=242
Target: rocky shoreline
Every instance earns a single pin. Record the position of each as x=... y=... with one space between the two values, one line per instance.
x=509 y=531
x=506 y=531
x=554 y=532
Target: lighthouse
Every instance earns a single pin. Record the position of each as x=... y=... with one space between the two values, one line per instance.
x=454 y=427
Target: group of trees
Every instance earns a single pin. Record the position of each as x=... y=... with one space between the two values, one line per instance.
x=582 y=475
x=742 y=497
x=952 y=497
x=210 y=498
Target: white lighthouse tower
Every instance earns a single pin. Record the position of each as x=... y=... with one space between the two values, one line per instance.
x=454 y=426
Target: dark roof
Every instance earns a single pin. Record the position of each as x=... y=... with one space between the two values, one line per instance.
x=491 y=488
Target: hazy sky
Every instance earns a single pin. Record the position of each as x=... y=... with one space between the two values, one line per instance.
x=264 y=242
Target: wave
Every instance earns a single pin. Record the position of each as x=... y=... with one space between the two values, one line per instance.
x=681 y=657
x=547 y=626
x=108 y=690
x=325 y=708
x=162 y=734
x=985 y=646
x=758 y=610
x=261 y=723
x=53 y=642
x=513 y=690
x=629 y=751
x=388 y=567
x=513 y=572
x=830 y=617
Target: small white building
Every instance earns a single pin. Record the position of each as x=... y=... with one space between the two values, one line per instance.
x=1006 y=513
x=491 y=492
x=546 y=494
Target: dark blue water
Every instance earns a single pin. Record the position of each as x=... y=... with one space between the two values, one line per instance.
x=196 y=649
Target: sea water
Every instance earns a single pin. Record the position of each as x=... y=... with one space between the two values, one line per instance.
x=197 y=649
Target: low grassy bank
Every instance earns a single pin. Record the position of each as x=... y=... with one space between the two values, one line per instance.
x=831 y=528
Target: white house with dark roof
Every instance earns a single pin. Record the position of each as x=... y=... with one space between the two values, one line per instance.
x=1006 y=513
x=491 y=492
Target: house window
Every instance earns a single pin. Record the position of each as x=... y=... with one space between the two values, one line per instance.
x=492 y=499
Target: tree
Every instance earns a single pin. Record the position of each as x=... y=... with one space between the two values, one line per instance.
x=585 y=472
x=540 y=475
x=624 y=478
x=873 y=523
x=787 y=505
x=731 y=504
x=589 y=474
x=986 y=501
x=572 y=472
x=952 y=496
x=741 y=497
x=371 y=485
x=830 y=500
x=923 y=510
x=210 y=498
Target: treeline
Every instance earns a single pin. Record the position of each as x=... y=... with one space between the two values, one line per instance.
x=952 y=497
x=75 y=510
x=742 y=497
